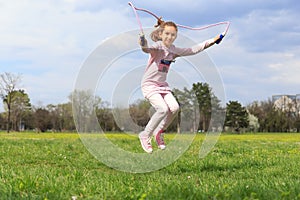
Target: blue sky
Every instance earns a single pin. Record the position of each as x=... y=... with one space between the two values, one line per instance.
x=46 y=42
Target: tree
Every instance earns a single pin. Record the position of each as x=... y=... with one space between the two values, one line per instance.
x=42 y=119
x=274 y=119
x=203 y=94
x=236 y=116
x=297 y=124
x=106 y=118
x=8 y=84
x=66 y=121
x=84 y=106
x=200 y=109
x=253 y=123
x=277 y=121
x=2 y=120
x=261 y=110
x=139 y=112
x=297 y=117
x=20 y=106
x=218 y=114
x=188 y=117
x=61 y=116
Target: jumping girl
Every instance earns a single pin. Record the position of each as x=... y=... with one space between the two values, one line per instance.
x=154 y=86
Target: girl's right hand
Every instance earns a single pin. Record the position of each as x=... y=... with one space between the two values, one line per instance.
x=143 y=41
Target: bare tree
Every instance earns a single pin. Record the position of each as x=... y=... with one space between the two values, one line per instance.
x=84 y=104
x=8 y=84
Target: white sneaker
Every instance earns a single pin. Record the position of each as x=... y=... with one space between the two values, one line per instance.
x=160 y=140
x=146 y=143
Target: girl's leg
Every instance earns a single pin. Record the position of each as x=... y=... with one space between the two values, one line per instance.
x=162 y=110
x=163 y=125
x=173 y=108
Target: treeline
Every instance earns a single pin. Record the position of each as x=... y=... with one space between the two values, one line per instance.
x=201 y=111
x=275 y=119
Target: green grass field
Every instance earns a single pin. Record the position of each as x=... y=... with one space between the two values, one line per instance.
x=58 y=166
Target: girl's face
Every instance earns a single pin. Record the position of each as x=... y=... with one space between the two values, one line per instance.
x=168 y=35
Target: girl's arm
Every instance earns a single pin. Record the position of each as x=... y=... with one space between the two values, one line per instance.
x=216 y=40
x=196 y=48
x=153 y=49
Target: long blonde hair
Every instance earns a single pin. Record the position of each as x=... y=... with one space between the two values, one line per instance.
x=160 y=27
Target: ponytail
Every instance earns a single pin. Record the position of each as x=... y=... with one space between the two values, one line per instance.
x=155 y=34
x=159 y=22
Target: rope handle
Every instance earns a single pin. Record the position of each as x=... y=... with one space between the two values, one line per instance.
x=143 y=40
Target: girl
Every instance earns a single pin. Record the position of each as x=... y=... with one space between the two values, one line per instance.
x=154 y=86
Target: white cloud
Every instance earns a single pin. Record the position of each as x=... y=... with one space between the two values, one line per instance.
x=286 y=71
x=264 y=30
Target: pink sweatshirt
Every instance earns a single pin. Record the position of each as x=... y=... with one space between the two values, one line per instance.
x=155 y=76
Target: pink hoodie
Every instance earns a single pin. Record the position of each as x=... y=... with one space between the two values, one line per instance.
x=155 y=76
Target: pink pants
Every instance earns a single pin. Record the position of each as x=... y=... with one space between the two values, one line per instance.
x=166 y=108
